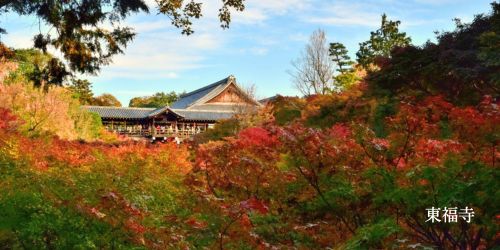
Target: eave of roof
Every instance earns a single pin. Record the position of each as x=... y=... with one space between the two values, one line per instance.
x=148 y=113
x=120 y=112
x=204 y=115
x=161 y=110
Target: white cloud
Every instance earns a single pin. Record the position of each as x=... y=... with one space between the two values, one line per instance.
x=357 y=21
x=151 y=4
x=437 y=2
x=141 y=27
x=344 y=13
x=249 y=16
x=257 y=11
x=161 y=52
x=280 y=7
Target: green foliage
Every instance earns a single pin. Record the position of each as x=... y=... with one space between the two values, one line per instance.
x=88 y=125
x=382 y=42
x=32 y=222
x=347 y=80
x=82 y=90
x=30 y=63
x=338 y=53
x=462 y=66
x=157 y=100
x=182 y=15
x=373 y=235
x=220 y=130
x=346 y=76
x=84 y=43
x=489 y=48
x=382 y=111
x=286 y=109
x=41 y=69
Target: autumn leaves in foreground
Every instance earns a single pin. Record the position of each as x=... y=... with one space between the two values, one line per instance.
x=269 y=185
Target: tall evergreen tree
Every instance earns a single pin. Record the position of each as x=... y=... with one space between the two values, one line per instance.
x=381 y=42
x=338 y=53
x=82 y=89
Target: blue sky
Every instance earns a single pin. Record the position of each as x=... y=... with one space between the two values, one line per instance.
x=258 y=47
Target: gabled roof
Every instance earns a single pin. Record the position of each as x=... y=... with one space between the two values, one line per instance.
x=162 y=110
x=205 y=94
x=190 y=98
x=192 y=106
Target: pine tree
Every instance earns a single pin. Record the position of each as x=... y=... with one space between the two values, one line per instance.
x=381 y=42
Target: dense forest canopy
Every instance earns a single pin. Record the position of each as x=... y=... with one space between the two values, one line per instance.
x=463 y=65
x=157 y=100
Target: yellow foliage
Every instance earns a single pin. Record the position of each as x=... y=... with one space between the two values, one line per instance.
x=53 y=111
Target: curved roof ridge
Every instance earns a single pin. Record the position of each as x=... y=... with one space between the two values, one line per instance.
x=225 y=80
x=216 y=91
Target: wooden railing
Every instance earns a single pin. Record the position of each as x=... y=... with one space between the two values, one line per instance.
x=136 y=132
x=183 y=134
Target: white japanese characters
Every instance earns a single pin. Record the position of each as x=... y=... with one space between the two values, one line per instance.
x=449 y=214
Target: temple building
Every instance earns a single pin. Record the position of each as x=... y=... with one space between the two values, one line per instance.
x=193 y=113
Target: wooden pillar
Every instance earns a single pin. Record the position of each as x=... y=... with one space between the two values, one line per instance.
x=183 y=129
x=154 y=128
x=176 y=130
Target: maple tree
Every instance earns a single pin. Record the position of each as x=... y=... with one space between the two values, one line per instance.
x=331 y=180
x=52 y=111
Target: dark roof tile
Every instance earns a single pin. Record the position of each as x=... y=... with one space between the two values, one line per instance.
x=189 y=98
x=120 y=112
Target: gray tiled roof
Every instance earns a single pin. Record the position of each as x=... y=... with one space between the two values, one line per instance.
x=200 y=115
x=188 y=99
x=120 y=112
x=217 y=107
x=269 y=99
